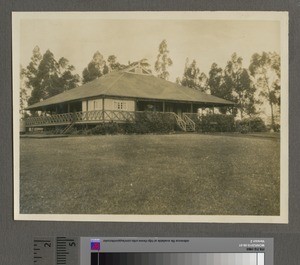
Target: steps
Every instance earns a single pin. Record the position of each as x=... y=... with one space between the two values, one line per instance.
x=190 y=124
x=189 y=128
x=185 y=123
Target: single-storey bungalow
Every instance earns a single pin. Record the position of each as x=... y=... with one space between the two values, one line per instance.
x=118 y=96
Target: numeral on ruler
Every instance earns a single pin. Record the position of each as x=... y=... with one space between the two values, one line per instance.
x=43 y=251
x=67 y=251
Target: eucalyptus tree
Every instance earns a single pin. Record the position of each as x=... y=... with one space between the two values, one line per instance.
x=48 y=77
x=163 y=61
x=265 y=69
x=96 y=68
x=193 y=77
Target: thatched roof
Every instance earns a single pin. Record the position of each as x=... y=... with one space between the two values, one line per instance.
x=129 y=84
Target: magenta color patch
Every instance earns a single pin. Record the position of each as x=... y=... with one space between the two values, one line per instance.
x=95 y=245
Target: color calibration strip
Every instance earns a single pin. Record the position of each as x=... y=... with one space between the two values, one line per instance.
x=152 y=251
x=98 y=258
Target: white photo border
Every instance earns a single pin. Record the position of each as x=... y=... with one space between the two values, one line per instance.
x=281 y=16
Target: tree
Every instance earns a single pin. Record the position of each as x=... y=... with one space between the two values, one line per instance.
x=203 y=83
x=50 y=77
x=190 y=75
x=31 y=70
x=245 y=94
x=95 y=68
x=64 y=79
x=265 y=69
x=193 y=78
x=218 y=86
x=23 y=91
x=113 y=64
x=239 y=84
x=163 y=61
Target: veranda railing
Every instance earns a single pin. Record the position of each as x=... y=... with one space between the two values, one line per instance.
x=99 y=116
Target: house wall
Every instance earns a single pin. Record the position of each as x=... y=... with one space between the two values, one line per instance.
x=84 y=105
x=95 y=104
x=119 y=104
x=109 y=104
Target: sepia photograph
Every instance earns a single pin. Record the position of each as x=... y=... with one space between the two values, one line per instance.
x=151 y=116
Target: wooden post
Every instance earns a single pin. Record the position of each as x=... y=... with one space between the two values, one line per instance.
x=213 y=110
x=164 y=106
x=69 y=108
x=192 y=108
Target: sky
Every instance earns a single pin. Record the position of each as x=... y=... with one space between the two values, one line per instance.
x=205 y=40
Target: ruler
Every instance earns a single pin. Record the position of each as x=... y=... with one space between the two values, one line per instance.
x=149 y=251
x=56 y=251
x=43 y=251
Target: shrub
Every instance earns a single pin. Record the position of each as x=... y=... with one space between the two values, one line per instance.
x=252 y=124
x=154 y=122
x=217 y=123
x=145 y=122
x=106 y=128
x=277 y=127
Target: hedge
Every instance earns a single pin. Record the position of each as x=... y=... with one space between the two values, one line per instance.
x=147 y=122
x=213 y=122
x=217 y=123
x=253 y=124
x=151 y=122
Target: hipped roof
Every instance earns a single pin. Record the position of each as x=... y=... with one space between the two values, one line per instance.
x=124 y=84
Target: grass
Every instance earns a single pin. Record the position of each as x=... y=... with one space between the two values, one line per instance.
x=150 y=174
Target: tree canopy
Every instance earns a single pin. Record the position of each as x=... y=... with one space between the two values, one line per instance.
x=47 y=77
x=265 y=69
x=193 y=78
x=238 y=79
x=163 y=61
x=23 y=91
x=96 y=68
x=113 y=64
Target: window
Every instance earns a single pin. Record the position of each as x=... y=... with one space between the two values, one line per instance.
x=120 y=105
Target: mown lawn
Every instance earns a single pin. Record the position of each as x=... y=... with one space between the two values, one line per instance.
x=150 y=174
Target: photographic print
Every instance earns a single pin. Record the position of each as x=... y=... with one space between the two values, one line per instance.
x=151 y=116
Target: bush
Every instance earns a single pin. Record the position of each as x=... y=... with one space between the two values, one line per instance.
x=217 y=123
x=106 y=128
x=147 y=122
x=154 y=122
x=277 y=127
x=252 y=124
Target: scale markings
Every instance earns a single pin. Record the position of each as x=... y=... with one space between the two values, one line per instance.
x=43 y=251
x=56 y=251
